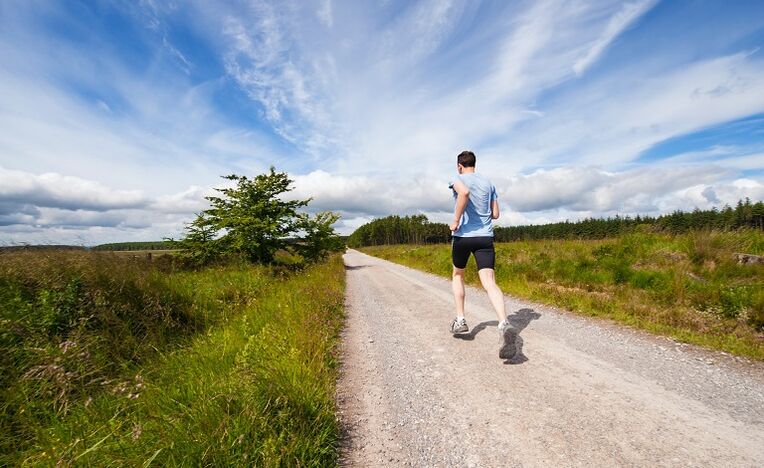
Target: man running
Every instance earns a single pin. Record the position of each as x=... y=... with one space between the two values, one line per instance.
x=476 y=207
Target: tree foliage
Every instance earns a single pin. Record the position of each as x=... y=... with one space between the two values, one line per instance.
x=400 y=230
x=254 y=219
x=319 y=237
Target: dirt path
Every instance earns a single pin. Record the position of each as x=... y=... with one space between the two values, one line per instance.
x=580 y=392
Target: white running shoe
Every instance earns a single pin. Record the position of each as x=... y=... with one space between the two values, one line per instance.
x=508 y=340
x=459 y=326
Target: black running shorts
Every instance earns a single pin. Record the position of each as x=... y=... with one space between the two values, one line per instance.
x=481 y=247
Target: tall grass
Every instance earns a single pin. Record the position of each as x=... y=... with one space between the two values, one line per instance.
x=687 y=286
x=108 y=360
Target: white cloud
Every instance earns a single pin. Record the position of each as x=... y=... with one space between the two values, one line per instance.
x=542 y=196
x=324 y=13
x=613 y=119
x=261 y=59
x=397 y=98
x=618 y=23
x=186 y=202
x=731 y=157
x=379 y=195
x=86 y=212
x=78 y=209
x=53 y=190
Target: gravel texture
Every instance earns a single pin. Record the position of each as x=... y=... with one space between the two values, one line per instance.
x=580 y=392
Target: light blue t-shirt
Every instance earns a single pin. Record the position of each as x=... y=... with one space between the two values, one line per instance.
x=476 y=220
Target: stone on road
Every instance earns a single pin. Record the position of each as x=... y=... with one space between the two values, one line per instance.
x=577 y=392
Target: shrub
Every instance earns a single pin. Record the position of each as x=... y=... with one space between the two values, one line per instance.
x=621 y=272
x=733 y=300
x=645 y=279
x=756 y=311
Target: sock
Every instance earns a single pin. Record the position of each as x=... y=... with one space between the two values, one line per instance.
x=460 y=318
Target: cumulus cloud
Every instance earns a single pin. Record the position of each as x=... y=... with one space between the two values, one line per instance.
x=52 y=201
x=545 y=195
x=591 y=188
x=53 y=217
x=87 y=210
x=188 y=201
x=54 y=190
x=372 y=196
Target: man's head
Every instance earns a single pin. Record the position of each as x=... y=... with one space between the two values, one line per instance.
x=465 y=160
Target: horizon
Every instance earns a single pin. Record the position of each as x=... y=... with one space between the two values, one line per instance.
x=119 y=118
x=642 y=217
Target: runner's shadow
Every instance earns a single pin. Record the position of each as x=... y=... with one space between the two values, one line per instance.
x=477 y=329
x=519 y=320
x=355 y=267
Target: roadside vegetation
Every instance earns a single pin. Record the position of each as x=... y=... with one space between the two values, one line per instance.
x=687 y=286
x=211 y=356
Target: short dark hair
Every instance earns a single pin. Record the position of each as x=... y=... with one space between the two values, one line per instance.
x=466 y=159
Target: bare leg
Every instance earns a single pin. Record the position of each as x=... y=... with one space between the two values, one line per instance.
x=488 y=280
x=457 y=284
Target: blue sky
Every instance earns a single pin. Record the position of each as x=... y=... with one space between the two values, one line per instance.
x=118 y=117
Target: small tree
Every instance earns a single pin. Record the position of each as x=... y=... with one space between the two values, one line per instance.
x=319 y=237
x=199 y=244
x=254 y=220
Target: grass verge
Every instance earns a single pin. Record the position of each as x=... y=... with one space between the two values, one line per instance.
x=240 y=369
x=689 y=287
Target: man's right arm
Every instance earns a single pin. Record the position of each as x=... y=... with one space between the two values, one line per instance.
x=462 y=197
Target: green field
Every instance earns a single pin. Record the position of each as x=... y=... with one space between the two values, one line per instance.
x=108 y=360
x=689 y=287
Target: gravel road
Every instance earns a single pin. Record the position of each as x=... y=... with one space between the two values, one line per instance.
x=580 y=392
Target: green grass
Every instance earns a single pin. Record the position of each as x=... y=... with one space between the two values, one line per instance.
x=232 y=365
x=688 y=287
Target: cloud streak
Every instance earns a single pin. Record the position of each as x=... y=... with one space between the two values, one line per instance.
x=615 y=26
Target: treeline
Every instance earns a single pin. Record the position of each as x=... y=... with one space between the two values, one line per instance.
x=125 y=246
x=14 y=248
x=745 y=215
x=418 y=230
x=399 y=230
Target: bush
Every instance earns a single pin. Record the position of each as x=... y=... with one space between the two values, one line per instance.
x=646 y=280
x=733 y=300
x=621 y=273
x=756 y=311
